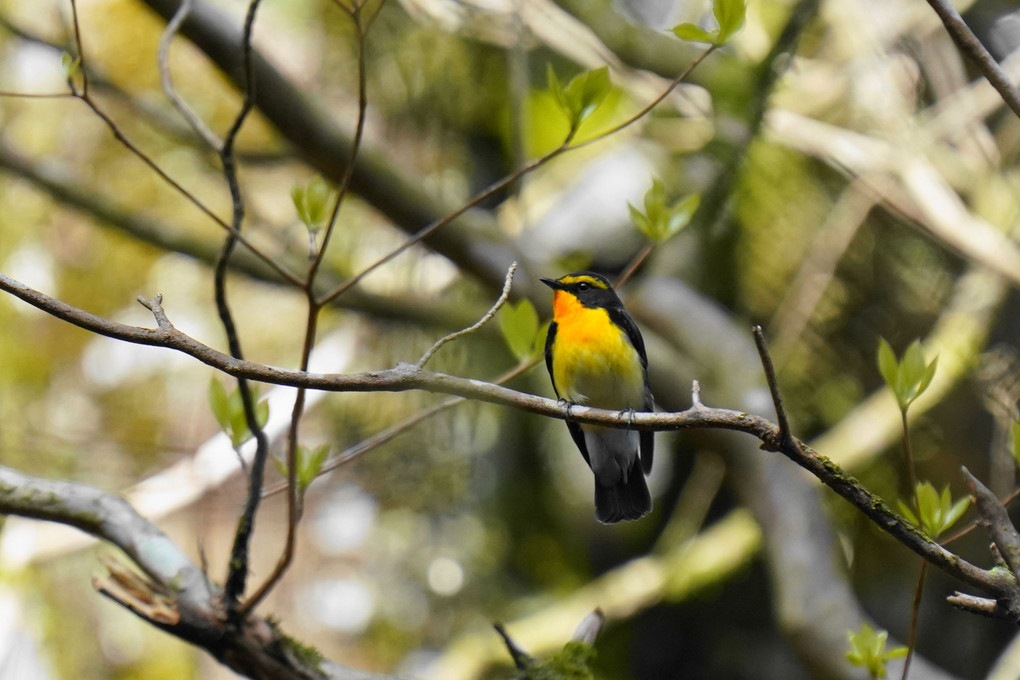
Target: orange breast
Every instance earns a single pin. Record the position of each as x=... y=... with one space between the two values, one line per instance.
x=594 y=362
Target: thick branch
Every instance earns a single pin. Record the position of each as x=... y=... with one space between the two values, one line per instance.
x=112 y=519
x=178 y=599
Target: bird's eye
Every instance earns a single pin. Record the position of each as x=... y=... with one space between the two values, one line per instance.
x=583 y=286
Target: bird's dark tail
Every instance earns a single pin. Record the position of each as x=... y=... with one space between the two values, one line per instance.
x=624 y=500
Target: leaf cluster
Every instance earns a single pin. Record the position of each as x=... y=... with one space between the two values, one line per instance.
x=309 y=465
x=938 y=512
x=228 y=409
x=661 y=221
x=313 y=201
x=867 y=649
x=907 y=377
x=729 y=15
x=579 y=98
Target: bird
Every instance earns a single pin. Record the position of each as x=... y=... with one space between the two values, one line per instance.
x=596 y=357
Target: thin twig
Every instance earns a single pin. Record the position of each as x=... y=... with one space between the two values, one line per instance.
x=237 y=571
x=166 y=78
x=478 y=324
x=522 y=661
x=915 y=615
x=119 y=135
x=351 y=453
x=80 y=48
x=314 y=308
x=696 y=395
x=636 y=262
x=359 y=130
x=498 y=185
x=652 y=104
x=975 y=50
x=36 y=95
x=429 y=229
x=770 y=377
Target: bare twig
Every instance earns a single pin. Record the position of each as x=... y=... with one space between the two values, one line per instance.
x=770 y=377
x=475 y=326
x=166 y=79
x=393 y=431
x=359 y=132
x=315 y=306
x=80 y=48
x=915 y=615
x=521 y=658
x=696 y=395
x=565 y=146
x=237 y=572
x=636 y=262
x=995 y=517
x=976 y=52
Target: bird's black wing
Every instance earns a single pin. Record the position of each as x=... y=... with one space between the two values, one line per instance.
x=550 y=337
x=575 y=430
x=621 y=318
x=578 y=436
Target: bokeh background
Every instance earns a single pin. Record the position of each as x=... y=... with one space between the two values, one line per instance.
x=858 y=180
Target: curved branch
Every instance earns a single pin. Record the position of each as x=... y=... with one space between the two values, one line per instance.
x=409 y=377
x=178 y=599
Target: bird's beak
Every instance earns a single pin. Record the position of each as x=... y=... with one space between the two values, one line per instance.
x=552 y=283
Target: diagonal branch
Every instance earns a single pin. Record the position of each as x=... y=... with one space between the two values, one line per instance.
x=176 y=597
x=976 y=52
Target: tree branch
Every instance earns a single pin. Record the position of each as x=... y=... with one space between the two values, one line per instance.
x=409 y=377
x=176 y=597
x=976 y=52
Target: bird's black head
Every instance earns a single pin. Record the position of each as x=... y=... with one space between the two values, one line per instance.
x=591 y=289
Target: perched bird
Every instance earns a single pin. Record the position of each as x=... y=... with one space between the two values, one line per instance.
x=596 y=357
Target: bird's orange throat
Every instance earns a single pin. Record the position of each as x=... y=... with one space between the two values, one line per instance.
x=565 y=307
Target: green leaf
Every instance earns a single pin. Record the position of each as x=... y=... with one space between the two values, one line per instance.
x=281 y=466
x=681 y=213
x=262 y=412
x=219 y=403
x=309 y=464
x=228 y=410
x=888 y=366
x=582 y=95
x=70 y=65
x=313 y=202
x=641 y=222
x=660 y=222
x=907 y=377
x=695 y=33
x=573 y=662
x=867 y=649
x=587 y=91
x=556 y=87
x=519 y=325
x=730 y=14
x=937 y=511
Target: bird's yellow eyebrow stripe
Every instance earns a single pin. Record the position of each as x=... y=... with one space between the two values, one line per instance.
x=586 y=279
